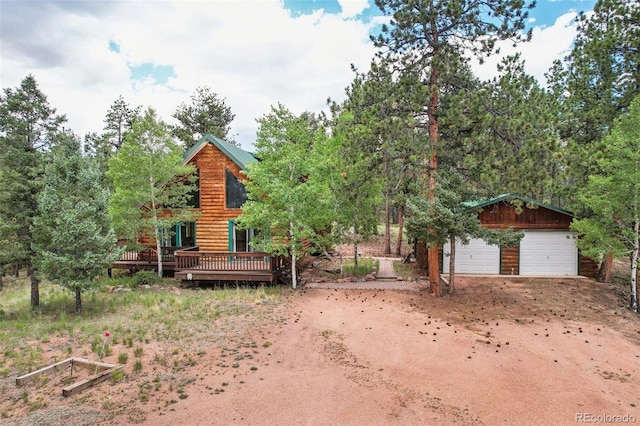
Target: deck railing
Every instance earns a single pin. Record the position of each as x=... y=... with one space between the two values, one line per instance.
x=150 y=255
x=222 y=261
x=208 y=265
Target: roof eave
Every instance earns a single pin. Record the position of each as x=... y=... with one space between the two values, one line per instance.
x=507 y=197
x=222 y=146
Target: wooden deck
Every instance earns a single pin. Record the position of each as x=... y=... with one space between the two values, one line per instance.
x=191 y=264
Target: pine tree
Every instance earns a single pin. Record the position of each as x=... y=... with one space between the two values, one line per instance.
x=73 y=239
x=613 y=197
x=207 y=114
x=118 y=122
x=27 y=127
x=430 y=37
x=596 y=85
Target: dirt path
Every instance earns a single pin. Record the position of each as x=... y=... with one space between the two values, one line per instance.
x=501 y=351
x=495 y=353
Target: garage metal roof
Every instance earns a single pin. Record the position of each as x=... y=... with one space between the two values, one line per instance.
x=509 y=197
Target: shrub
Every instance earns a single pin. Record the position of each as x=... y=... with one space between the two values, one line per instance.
x=146 y=278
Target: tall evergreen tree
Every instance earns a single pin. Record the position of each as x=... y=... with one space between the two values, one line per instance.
x=207 y=114
x=73 y=239
x=118 y=122
x=613 y=197
x=597 y=84
x=502 y=134
x=27 y=126
x=375 y=128
x=430 y=37
x=355 y=179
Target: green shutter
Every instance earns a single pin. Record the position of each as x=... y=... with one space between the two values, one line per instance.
x=230 y=244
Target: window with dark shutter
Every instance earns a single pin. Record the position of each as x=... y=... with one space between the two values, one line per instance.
x=236 y=194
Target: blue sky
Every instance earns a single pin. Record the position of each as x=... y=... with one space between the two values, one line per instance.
x=252 y=53
x=545 y=13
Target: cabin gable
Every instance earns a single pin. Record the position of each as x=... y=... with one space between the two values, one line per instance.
x=503 y=215
x=214 y=166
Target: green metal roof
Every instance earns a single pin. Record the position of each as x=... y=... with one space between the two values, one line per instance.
x=508 y=197
x=239 y=156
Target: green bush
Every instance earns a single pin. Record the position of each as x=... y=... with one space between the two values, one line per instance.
x=146 y=278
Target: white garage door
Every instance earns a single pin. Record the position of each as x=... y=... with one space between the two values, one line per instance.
x=548 y=253
x=477 y=257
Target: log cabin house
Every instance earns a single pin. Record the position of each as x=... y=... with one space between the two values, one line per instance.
x=548 y=247
x=211 y=248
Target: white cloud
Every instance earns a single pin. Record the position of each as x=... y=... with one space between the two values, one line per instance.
x=352 y=8
x=253 y=53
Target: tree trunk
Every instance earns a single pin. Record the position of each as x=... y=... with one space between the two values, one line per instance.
x=294 y=273
x=1 y=283
x=387 y=214
x=78 y=300
x=434 y=261
x=400 y=230
x=604 y=272
x=634 y=266
x=156 y=225
x=421 y=256
x=355 y=241
x=159 y=253
x=387 y=225
x=355 y=253
x=452 y=265
x=35 y=290
x=294 y=254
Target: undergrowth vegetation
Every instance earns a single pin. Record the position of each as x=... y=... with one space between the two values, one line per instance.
x=364 y=267
x=131 y=319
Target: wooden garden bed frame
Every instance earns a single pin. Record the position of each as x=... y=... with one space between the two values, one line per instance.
x=106 y=372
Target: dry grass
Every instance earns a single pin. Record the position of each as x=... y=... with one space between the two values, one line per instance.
x=160 y=335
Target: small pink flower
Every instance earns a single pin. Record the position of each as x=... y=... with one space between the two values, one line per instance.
x=107 y=334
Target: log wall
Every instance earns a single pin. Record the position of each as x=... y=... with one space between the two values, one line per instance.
x=502 y=215
x=510 y=261
x=212 y=227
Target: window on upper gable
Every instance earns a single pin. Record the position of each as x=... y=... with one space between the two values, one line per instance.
x=194 y=200
x=235 y=192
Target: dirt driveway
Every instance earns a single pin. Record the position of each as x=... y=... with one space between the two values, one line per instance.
x=517 y=352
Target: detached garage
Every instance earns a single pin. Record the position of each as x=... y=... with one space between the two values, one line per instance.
x=547 y=248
